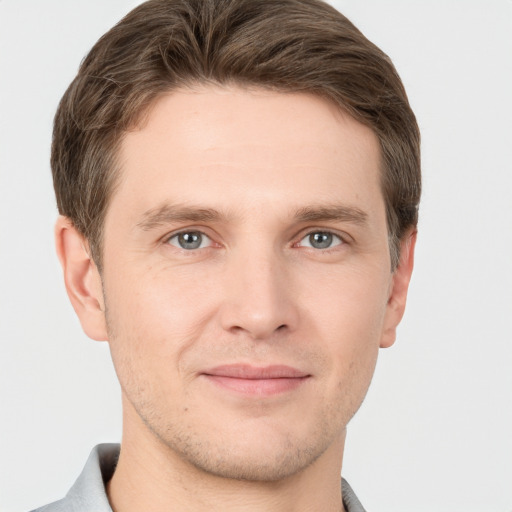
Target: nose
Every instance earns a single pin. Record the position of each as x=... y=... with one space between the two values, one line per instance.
x=259 y=298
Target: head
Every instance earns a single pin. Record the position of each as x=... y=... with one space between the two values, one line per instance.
x=287 y=46
x=239 y=183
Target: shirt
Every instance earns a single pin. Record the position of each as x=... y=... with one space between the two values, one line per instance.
x=88 y=493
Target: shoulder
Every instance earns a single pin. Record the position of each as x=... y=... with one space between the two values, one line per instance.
x=56 y=506
x=88 y=492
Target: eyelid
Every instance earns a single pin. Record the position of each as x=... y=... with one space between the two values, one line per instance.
x=344 y=237
x=169 y=236
x=344 y=240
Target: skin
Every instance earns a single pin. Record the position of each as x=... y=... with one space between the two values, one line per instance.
x=254 y=176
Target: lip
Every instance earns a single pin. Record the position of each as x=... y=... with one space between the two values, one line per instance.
x=257 y=381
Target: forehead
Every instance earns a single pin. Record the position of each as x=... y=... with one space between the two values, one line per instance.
x=251 y=148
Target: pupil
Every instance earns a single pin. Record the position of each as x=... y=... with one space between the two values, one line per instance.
x=189 y=240
x=320 y=240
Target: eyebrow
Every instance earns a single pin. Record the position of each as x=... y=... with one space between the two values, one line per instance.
x=168 y=213
x=337 y=213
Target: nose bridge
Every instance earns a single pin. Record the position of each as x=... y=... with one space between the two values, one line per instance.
x=259 y=295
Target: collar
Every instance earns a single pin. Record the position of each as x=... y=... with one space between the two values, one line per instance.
x=88 y=493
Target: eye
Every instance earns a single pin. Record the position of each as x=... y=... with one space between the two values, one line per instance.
x=190 y=240
x=320 y=240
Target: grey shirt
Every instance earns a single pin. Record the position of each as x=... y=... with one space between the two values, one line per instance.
x=88 y=492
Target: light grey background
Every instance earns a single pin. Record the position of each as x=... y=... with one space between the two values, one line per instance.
x=435 y=433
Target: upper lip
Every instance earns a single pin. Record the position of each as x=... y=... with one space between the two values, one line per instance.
x=247 y=371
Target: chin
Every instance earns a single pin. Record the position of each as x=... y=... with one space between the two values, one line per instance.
x=257 y=452
x=251 y=465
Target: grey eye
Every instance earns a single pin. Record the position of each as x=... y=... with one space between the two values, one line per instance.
x=321 y=240
x=190 y=240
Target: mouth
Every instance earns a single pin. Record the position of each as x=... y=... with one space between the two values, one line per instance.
x=259 y=381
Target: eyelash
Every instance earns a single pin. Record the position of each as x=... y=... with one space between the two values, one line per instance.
x=341 y=239
x=168 y=239
x=334 y=235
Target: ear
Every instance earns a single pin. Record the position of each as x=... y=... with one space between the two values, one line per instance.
x=398 y=290
x=82 y=279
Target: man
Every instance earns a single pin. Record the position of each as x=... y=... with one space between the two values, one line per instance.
x=238 y=183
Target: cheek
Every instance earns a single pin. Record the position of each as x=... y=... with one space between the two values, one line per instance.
x=160 y=302
x=153 y=319
x=347 y=312
x=348 y=304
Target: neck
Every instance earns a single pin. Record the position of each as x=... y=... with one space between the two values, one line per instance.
x=152 y=477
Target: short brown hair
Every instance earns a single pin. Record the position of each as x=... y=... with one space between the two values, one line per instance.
x=283 y=45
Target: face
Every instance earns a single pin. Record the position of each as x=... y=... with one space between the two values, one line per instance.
x=246 y=278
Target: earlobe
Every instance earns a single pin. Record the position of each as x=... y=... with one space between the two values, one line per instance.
x=399 y=288
x=82 y=279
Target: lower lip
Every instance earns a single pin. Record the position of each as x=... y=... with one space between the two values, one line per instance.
x=257 y=387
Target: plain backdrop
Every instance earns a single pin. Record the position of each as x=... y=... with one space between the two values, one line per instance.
x=435 y=432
